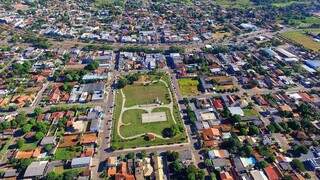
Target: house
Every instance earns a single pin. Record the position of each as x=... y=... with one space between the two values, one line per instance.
x=36 y=170
x=48 y=140
x=210 y=137
x=111 y=166
x=221 y=163
x=225 y=175
x=123 y=173
x=314 y=163
x=217 y=103
x=236 y=111
x=10 y=174
x=258 y=175
x=272 y=172
x=218 y=154
x=281 y=141
x=81 y=162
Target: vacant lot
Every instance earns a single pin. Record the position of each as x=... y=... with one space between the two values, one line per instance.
x=65 y=154
x=140 y=94
x=301 y=38
x=188 y=86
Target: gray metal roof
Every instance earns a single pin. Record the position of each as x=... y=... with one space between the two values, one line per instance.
x=36 y=169
x=81 y=161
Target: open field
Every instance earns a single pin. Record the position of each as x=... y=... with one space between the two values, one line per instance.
x=188 y=86
x=306 y=22
x=133 y=117
x=288 y=3
x=234 y=3
x=131 y=131
x=299 y=37
x=140 y=94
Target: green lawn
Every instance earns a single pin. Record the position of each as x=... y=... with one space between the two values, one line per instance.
x=139 y=94
x=29 y=146
x=299 y=37
x=133 y=117
x=188 y=86
x=250 y=112
x=65 y=154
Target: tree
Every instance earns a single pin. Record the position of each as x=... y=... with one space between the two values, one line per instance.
x=53 y=176
x=39 y=136
x=300 y=149
x=177 y=167
x=248 y=150
x=262 y=164
x=70 y=175
x=26 y=128
x=253 y=130
x=172 y=155
x=176 y=49
x=143 y=154
x=232 y=144
x=93 y=65
x=167 y=132
x=37 y=111
x=208 y=163
x=48 y=147
x=122 y=83
x=130 y=155
x=235 y=119
x=23 y=164
x=20 y=143
x=298 y=165
x=21 y=119
x=213 y=176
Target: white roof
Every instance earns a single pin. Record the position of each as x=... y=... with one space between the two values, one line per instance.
x=236 y=111
x=258 y=175
x=295 y=96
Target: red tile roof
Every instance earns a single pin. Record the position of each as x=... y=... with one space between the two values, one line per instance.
x=273 y=173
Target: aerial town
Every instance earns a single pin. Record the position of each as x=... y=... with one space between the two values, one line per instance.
x=160 y=89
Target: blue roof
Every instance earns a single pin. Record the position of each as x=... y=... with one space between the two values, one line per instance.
x=313 y=63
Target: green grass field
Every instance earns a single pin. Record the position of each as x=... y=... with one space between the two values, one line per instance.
x=306 y=22
x=234 y=3
x=139 y=94
x=133 y=117
x=288 y=3
x=65 y=154
x=299 y=37
x=188 y=86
